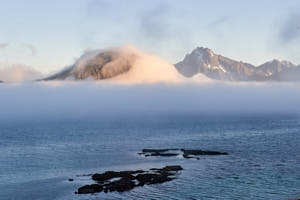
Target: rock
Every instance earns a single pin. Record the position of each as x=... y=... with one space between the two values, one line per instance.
x=128 y=179
x=158 y=152
x=186 y=153
x=90 y=189
x=164 y=154
x=152 y=178
x=70 y=179
x=122 y=185
x=172 y=168
x=134 y=172
x=190 y=153
x=168 y=170
x=111 y=174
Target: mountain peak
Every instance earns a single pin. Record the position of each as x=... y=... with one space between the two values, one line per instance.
x=203 y=50
x=205 y=61
x=274 y=61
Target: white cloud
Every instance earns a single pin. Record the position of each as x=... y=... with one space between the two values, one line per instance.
x=18 y=73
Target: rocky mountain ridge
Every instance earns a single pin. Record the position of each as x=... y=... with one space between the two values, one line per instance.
x=205 y=61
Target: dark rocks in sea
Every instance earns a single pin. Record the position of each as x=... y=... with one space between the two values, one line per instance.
x=122 y=185
x=162 y=154
x=89 y=189
x=186 y=153
x=111 y=174
x=200 y=152
x=113 y=181
x=128 y=180
x=70 y=179
x=168 y=168
x=152 y=178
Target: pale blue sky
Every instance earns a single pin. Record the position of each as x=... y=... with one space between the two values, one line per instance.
x=49 y=35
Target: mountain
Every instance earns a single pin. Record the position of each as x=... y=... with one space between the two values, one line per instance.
x=205 y=61
x=124 y=64
x=1 y=81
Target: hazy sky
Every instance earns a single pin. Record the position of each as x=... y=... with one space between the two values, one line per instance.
x=49 y=35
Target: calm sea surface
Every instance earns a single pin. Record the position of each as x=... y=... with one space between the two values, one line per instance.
x=38 y=157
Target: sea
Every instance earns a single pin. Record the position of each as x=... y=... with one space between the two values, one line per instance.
x=37 y=157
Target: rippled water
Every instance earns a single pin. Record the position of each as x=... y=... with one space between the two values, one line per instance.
x=38 y=157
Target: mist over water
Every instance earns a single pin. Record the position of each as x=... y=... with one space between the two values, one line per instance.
x=102 y=99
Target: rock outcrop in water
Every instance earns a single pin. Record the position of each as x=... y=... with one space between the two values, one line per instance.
x=128 y=180
x=205 y=61
x=121 y=181
x=186 y=153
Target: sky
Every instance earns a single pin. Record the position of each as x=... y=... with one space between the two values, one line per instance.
x=49 y=35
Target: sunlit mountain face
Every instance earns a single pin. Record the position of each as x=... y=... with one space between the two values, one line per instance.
x=205 y=61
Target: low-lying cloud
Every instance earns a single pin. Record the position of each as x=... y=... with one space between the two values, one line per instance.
x=53 y=100
x=18 y=73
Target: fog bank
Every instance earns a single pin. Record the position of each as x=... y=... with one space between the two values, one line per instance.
x=89 y=99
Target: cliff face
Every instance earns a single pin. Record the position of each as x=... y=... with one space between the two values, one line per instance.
x=203 y=60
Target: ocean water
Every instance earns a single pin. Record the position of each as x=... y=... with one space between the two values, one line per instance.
x=37 y=157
